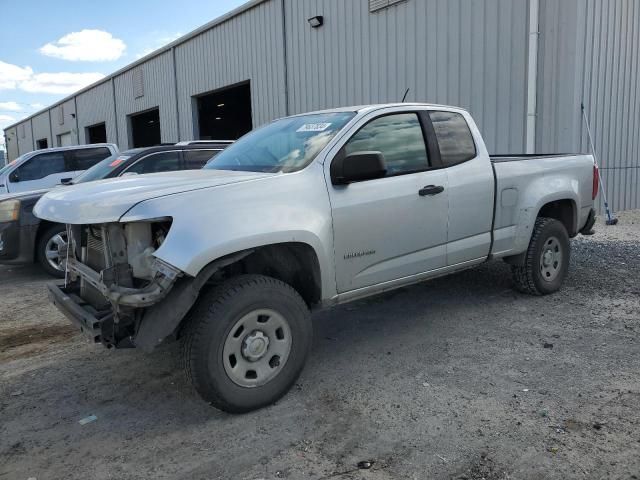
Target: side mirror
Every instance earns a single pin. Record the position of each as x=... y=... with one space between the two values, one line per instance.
x=357 y=166
x=129 y=174
x=66 y=181
x=14 y=178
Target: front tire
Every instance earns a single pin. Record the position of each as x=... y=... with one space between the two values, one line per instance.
x=247 y=342
x=50 y=243
x=547 y=259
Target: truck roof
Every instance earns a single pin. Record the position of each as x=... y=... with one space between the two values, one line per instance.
x=377 y=106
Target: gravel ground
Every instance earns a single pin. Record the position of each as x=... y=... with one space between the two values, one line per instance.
x=460 y=377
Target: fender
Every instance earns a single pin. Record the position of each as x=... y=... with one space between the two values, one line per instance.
x=162 y=319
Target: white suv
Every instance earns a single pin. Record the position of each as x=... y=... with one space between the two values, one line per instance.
x=51 y=166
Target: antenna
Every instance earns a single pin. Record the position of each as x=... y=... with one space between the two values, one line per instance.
x=405 y=95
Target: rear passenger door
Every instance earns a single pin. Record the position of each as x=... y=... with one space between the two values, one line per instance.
x=44 y=170
x=471 y=187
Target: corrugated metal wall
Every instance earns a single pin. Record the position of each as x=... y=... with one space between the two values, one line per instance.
x=246 y=47
x=25 y=138
x=96 y=106
x=68 y=124
x=470 y=53
x=456 y=52
x=42 y=128
x=159 y=92
x=590 y=52
x=11 y=137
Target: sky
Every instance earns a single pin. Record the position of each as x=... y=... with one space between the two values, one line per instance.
x=52 y=48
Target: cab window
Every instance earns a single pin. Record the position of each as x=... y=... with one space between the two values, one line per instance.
x=40 y=166
x=196 y=159
x=454 y=137
x=86 y=158
x=157 y=162
x=398 y=137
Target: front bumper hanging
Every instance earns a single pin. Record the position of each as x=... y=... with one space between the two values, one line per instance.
x=81 y=314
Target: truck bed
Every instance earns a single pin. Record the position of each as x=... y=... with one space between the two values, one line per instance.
x=530 y=156
x=523 y=183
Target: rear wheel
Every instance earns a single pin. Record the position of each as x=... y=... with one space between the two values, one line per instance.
x=547 y=259
x=247 y=342
x=50 y=249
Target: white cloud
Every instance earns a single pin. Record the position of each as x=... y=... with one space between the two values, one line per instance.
x=87 y=46
x=12 y=75
x=158 y=43
x=10 y=107
x=37 y=106
x=59 y=83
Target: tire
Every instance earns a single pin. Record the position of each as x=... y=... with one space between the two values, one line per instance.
x=226 y=334
x=547 y=259
x=44 y=247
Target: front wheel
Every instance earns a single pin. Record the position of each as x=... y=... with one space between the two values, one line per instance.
x=247 y=342
x=547 y=259
x=49 y=250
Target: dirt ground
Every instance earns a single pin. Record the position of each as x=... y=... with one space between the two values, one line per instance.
x=458 y=378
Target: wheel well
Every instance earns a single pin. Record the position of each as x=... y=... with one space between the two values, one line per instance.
x=293 y=263
x=564 y=211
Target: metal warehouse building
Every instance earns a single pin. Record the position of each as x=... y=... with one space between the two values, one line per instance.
x=521 y=67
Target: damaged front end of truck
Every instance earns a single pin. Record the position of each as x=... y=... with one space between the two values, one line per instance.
x=113 y=280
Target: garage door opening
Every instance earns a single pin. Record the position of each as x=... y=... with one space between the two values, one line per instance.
x=42 y=143
x=224 y=114
x=97 y=133
x=145 y=129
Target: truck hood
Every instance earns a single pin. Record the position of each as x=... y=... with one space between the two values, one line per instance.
x=106 y=201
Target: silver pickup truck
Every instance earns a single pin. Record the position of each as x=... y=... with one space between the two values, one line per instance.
x=309 y=211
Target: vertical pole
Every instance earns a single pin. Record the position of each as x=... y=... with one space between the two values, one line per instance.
x=115 y=112
x=53 y=143
x=75 y=113
x=175 y=85
x=286 y=60
x=33 y=137
x=532 y=75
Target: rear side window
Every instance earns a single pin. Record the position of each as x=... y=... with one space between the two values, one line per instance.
x=398 y=137
x=40 y=166
x=454 y=137
x=87 y=157
x=196 y=159
x=157 y=162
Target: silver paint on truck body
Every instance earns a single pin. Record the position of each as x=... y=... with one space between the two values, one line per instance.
x=407 y=237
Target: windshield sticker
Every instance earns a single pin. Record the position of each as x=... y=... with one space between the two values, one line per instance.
x=117 y=162
x=314 y=127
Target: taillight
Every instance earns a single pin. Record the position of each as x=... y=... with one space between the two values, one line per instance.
x=596 y=182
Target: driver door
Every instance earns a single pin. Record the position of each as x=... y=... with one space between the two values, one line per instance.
x=388 y=228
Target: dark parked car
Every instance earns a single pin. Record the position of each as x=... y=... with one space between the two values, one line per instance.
x=26 y=239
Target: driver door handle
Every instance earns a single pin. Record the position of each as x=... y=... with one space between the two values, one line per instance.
x=431 y=190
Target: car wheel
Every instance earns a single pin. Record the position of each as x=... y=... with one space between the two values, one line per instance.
x=547 y=259
x=52 y=241
x=246 y=342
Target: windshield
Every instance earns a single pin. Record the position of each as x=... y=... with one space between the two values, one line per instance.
x=101 y=169
x=286 y=145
